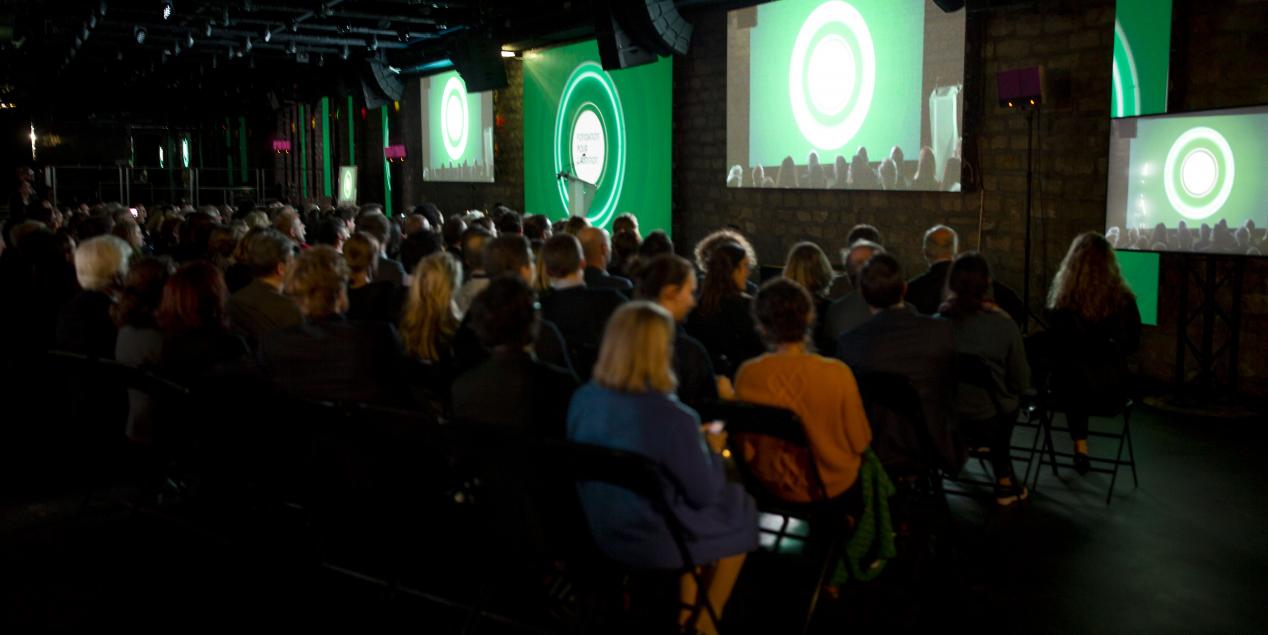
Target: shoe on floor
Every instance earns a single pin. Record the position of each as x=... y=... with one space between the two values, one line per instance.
x=1082 y=464
x=1010 y=495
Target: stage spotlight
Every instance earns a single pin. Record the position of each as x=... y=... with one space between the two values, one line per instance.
x=92 y=20
x=189 y=40
x=102 y=8
x=207 y=29
x=291 y=48
x=374 y=43
x=344 y=52
x=176 y=48
x=268 y=35
x=139 y=33
x=247 y=45
x=167 y=9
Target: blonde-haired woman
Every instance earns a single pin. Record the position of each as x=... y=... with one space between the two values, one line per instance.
x=1094 y=325
x=431 y=317
x=809 y=267
x=629 y=405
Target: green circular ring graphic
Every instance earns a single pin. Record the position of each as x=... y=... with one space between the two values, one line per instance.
x=1194 y=207
x=593 y=72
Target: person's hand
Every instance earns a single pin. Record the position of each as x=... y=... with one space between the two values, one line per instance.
x=725 y=389
x=715 y=435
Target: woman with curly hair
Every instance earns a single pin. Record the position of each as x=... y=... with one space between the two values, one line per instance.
x=722 y=319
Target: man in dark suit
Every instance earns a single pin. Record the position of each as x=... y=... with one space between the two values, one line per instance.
x=374 y=223
x=924 y=292
x=581 y=313
x=598 y=251
x=851 y=309
x=899 y=343
x=261 y=307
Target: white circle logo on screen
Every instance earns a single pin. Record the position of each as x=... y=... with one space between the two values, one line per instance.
x=1199 y=170
x=453 y=117
x=835 y=74
x=589 y=145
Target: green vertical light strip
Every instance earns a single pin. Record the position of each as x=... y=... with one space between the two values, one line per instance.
x=325 y=146
x=302 y=129
x=229 y=150
x=387 y=172
x=242 y=149
x=352 y=136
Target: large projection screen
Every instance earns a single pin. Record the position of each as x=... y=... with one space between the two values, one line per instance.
x=837 y=94
x=457 y=130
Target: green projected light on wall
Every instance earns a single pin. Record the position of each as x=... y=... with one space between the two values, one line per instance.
x=1140 y=270
x=1142 y=55
x=583 y=120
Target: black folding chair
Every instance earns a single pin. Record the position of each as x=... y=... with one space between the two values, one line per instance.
x=972 y=370
x=1050 y=456
x=827 y=524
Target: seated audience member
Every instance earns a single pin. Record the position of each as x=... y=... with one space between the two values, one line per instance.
x=579 y=312
x=194 y=318
x=669 y=281
x=655 y=244
x=330 y=230
x=630 y=406
x=951 y=175
x=238 y=274
x=821 y=390
x=851 y=309
x=897 y=341
x=984 y=331
x=128 y=230
x=888 y=172
x=626 y=222
x=536 y=229
x=512 y=387
x=574 y=225
x=420 y=240
x=896 y=155
x=808 y=266
x=925 y=291
x=862 y=175
x=926 y=171
x=369 y=299
x=476 y=279
x=722 y=319
x=85 y=326
x=451 y=234
x=508 y=221
x=704 y=250
x=431 y=317
x=625 y=246
x=328 y=357
x=288 y=223
x=374 y=223
x=1094 y=325
x=140 y=342
x=786 y=176
x=598 y=252
x=261 y=307
x=863 y=231
x=841 y=285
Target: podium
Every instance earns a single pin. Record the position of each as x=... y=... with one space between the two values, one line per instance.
x=580 y=194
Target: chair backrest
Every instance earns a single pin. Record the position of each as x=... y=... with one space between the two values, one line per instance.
x=899 y=431
x=972 y=370
x=749 y=419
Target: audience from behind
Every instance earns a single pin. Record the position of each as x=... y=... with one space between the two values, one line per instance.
x=951 y=175
x=670 y=281
x=598 y=254
x=926 y=171
x=704 y=250
x=257 y=220
x=528 y=392
x=896 y=155
x=986 y=333
x=862 y=175
x=723 y=321
x=926 y=291
x=452 y=233
x=85 y=325
x=786 y=177
x=420 y=240
x=328 y=357
x=431 y=316
x=809 y=267
x=369 y=299
x=625 y=246
x=536 y=227
x=374 y=223
x=898 y=342
x=291 y=226
x=863 y=231
x=509 y=222
x=1094 y=326
x=626 y=222
x=574 y=225
x=888 y=173
x=630 y=406
x=851 y=310
x=261 y=307
x=821 y=390
x=330 y=230
x=193 y=316
x=579 y=312
x=140 y=342
x=473 y=242
x=655 y=244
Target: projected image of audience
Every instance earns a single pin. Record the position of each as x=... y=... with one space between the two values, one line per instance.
x=837 y=94
x=1189 y=182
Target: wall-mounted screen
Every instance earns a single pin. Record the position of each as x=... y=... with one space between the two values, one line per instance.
x=607 y=128
x=837 y=94
x=1142 y=57
x=1189 y=182
x=457 y=130
x=347 y=185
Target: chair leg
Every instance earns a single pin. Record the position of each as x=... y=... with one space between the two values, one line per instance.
x=1131 y=452
x=1052 y=448
x=1118 y=460
x=824 y=572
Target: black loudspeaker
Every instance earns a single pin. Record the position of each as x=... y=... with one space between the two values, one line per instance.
x=478 y=59
x=380 y=85
x=633 y=32
x=617 y=49
x=949 y=6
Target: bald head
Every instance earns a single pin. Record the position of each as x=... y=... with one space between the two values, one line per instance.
x=941 y=244
x=596 y=246
x=857 y=255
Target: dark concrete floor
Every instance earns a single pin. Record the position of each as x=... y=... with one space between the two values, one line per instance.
x=1186 y=551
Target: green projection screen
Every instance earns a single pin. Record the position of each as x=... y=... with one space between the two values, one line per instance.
x=1141 y=271
x=1189 y=182
x=1142 y=55
x=457 y=130
x=612 y=129
x=857 y=94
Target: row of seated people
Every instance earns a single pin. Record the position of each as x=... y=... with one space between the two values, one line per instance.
x=1244 y=239
x=857 y=173
x=519 y=351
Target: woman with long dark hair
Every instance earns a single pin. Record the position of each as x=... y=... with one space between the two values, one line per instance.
x=194 y=318
x=722 y=319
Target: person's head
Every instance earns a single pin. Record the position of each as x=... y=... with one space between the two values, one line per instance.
x=93 y=226
x=669 y=281
x=431 y=213
x=269 y=254
x=374 y=223
x=414 y=224
x=130 y=232
x=508 y=222
x=330 y=230
x=289 y=224
x=101 y=263
x=726 y=275
x=625 y=222
x=142 y=292
x=575 y=224
x=257 y=219
x=637 y=351
x=430 y=314
x=783 y=311
x=857 y=255
x=194 y=298
x=655 y=244
x=1089 y=282
x=595 y=246
x=704 y=249
x=361 y=251
x=562 y=256
x=882 y=282
x=809 y=267
x=941 y=244
x=318 y=281
x=509 y=255
x=453 y=230
x=473 y=242
x=625 y=246
x=536 y=227
x=504 y=314
x=896 y=154
x=925 y=167
x=888 y=171
x=787 y=174
x=968 y=284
